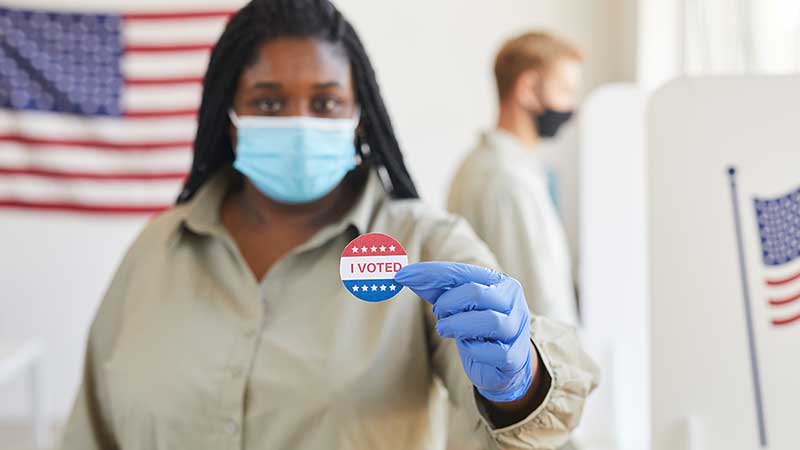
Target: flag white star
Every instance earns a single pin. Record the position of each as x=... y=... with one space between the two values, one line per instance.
x=383 y=248
x=355 y=249
x=364 y=249
x=383 y=287
x=374 y=249
x=391 y=248
x=392 y=288
x=355 y=288
x=374 y=288
x=365 y=288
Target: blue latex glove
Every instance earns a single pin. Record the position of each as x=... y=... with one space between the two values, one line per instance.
x=486 y=313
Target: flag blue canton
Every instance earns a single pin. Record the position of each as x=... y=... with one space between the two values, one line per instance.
x=61 y=62
x=779 y=227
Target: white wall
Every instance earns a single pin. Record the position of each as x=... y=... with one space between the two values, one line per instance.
x=660 y=45
x=54 y=269
x=433 y=60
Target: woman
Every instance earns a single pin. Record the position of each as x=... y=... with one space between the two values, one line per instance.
x=226 y=325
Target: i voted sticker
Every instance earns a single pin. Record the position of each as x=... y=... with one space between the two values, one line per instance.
x=369 y=264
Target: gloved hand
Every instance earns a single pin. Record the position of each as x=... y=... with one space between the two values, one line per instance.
x=486 y=313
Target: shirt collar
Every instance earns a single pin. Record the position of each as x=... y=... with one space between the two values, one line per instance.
x=362 y=213
x=202 y=214
x=503 y=140
x=505 y=143
x=359 y=217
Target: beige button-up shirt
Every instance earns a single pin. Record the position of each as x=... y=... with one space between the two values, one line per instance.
x=501 y=189
x=189 y=351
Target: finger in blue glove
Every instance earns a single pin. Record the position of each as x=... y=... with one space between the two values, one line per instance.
x=486 y=313
x=429 y=280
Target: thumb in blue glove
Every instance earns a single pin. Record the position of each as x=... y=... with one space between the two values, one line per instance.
x=486 y=313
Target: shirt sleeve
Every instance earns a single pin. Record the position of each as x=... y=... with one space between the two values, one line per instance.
x=90 y=426
x=573 y=374
x=511 y=223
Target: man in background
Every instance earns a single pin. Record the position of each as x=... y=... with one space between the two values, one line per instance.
x=502 y=186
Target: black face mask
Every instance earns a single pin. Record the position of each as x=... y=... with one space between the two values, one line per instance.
x=549 y=122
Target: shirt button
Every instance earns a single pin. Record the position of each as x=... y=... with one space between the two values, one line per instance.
x=231 y=427
x=236 y=372
x=249 y=334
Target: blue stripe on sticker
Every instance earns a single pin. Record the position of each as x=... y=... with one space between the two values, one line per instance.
x=373 y=290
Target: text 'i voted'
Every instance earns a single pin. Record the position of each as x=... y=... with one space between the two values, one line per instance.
x=369 y=264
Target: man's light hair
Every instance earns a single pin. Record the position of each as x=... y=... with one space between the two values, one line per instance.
x=530 y=51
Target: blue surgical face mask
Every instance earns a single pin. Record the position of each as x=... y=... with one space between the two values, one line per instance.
x=294 y=159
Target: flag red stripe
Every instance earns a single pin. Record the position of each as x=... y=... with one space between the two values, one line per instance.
x=143 y=114
x=784 y=301
x=83 y=208
x=95 y=144
x=787 y=321
x=128 y=176
x=161 y=48
x=162 y=81
x=177 y=15
x=783 y=281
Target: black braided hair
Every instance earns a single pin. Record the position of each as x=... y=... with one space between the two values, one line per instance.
x=258 y=22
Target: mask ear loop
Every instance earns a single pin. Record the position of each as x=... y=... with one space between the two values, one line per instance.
x=362 y=148
x=363 y=152
x=234 y=118
x=364 y=155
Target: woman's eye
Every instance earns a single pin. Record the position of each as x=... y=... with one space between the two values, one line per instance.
x=270 y=106
x=326 y=105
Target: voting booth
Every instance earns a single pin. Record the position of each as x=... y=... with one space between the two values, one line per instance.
x=704 y=349
x=724 y=253
x=612 y=279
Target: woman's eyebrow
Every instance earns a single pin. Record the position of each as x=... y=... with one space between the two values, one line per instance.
x=327 y=85
x=270 y=85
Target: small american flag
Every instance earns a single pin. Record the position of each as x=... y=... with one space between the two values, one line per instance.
x=779 y=229
x=98 y=110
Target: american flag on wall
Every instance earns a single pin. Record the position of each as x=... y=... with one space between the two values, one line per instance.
x=779 y=231
x=98 y=110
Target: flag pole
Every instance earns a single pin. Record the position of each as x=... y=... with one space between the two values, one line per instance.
x=762 y=432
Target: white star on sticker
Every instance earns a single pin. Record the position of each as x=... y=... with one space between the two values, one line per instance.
x=392 y=287
x=364 y=249
x=374 y=288
x=383 y=287
x=355 y=288
x=383 y=248
x=355 y=249
x=391 y=248
x=374 y=249
x=365 y=288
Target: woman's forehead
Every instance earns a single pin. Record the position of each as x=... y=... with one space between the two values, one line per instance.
x=298 y=61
